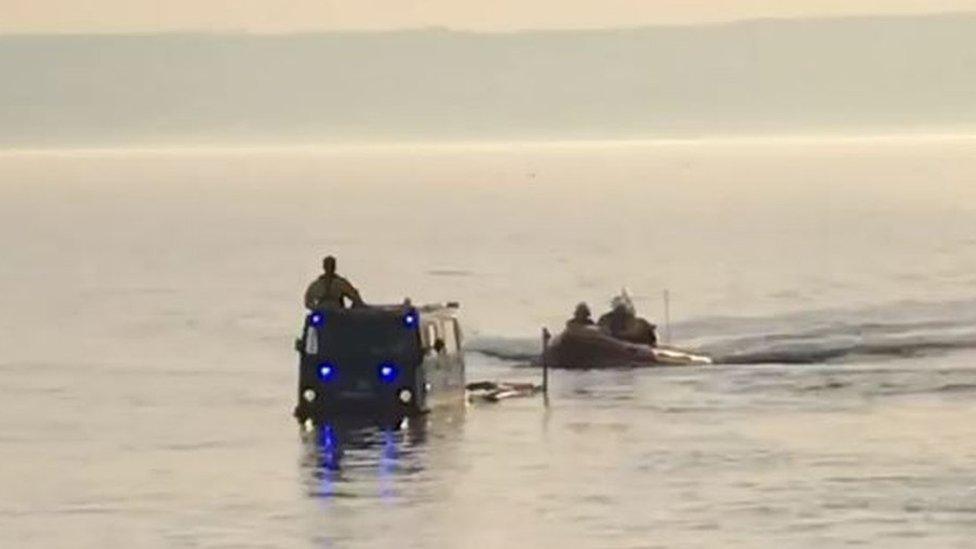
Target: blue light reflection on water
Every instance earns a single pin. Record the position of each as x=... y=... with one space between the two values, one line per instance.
x=389 y=456
x=330 y=450
x=349 y=455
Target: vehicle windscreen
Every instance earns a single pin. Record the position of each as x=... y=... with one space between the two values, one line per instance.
x=369 y=340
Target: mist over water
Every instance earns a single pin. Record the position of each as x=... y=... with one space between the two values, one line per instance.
x=150 y=299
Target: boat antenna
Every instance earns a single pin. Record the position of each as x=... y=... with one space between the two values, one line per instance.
x=545 y=365
x=667 y=316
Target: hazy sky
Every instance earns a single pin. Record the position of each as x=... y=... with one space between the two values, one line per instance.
x=486 y=15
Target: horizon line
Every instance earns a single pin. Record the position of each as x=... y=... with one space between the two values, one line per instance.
x=754 y=139
x=470 y=31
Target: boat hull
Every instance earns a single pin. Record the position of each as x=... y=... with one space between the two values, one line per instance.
x=589 y=348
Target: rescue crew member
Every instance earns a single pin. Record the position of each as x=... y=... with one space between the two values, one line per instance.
x=581 y=317
x=623 y=323
x=330 y=289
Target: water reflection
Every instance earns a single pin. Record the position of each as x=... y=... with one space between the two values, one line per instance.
x=372 y=457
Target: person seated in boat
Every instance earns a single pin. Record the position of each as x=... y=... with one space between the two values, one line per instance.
x=582 y=317
x=331 y=290
x=623 y=323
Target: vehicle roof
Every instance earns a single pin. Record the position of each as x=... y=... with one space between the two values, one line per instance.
x=427 y=310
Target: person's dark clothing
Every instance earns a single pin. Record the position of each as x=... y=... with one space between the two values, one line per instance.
x=580 y=322
x=622 y=325
x=616 y=323
x=329 y=291
x=646 y=333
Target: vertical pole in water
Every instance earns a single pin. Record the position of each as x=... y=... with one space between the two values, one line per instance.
x=667 y=317
x=545 y=365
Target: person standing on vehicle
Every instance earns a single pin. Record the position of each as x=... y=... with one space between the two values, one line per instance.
x=330 y=290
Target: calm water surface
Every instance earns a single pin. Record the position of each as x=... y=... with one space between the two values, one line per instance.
x=149 y=300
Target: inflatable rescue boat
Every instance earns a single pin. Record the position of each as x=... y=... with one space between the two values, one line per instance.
x=585 y=348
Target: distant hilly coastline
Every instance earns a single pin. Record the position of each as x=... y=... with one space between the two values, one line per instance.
x=849 y=75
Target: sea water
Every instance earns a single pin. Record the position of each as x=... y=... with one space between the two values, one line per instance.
x=149 y=299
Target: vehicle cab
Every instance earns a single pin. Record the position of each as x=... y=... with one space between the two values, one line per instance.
x=387 y=359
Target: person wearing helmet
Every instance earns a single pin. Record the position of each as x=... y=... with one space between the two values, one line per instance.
x=330 y=289
x=581 y=317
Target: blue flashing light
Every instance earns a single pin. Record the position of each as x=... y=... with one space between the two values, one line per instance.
x=316 y=319
x=327 y=371
x=388 y=372
x=410 y=319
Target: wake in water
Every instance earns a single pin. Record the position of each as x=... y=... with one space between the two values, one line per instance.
x=895 y=331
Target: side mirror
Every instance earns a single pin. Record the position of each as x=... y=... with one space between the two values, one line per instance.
x=298 y=344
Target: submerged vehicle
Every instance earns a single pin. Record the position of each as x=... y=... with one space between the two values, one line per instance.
x=590 y=348
x=391 y=360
